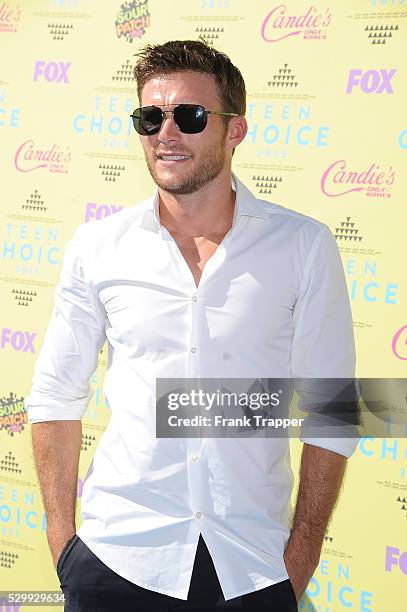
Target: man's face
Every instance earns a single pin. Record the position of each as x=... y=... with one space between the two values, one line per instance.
x=206 y=150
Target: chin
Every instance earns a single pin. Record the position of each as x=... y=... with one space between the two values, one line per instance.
x=176 y=188
x=170 y=182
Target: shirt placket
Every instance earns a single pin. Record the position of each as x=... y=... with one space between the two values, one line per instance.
x=194 y=445
x=193 y=359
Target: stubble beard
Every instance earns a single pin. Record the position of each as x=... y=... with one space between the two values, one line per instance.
x=198 y=177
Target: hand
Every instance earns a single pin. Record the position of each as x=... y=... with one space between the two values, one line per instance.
x=57 y=540
x=299 y=572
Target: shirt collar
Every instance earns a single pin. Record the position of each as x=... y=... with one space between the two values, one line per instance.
x=246 y=204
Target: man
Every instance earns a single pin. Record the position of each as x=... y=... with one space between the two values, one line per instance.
x=200 y=280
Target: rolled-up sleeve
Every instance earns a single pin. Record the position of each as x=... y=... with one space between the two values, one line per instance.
x=75 y=334
x=323 y=341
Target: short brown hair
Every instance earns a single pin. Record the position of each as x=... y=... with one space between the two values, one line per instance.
x=196 y=56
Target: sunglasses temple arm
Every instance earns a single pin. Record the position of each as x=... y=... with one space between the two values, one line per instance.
x=219 y=113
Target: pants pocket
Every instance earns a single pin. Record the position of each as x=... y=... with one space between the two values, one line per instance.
x=65 y=552
x=290 y=585
x=294 y=597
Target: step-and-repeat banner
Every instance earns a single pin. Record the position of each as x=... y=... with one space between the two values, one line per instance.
x=326 y=85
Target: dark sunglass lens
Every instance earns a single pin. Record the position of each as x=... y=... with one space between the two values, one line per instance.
x=190 y=118
x=151 y=119
x=147 y=120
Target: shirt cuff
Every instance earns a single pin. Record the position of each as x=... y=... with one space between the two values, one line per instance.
x=343 y=446
x=39 y=414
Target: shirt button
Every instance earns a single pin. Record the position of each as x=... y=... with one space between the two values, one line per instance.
x=193 y=349
x=198 y=514
x=194 y=457
x=194 y=298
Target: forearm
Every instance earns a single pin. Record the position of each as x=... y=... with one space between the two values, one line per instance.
x=56 y=446
x=321 y=475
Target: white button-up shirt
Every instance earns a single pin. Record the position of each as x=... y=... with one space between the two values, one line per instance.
x=271 y=302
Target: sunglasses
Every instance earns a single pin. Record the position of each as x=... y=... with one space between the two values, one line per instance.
x=189 y=118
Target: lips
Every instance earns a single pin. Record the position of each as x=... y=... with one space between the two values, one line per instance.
x=172 y=159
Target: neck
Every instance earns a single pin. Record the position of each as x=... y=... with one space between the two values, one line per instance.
x=207 y=211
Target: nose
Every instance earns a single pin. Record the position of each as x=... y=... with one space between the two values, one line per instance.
x=169 y=129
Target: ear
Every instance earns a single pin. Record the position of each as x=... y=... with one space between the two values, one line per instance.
x=237 y=130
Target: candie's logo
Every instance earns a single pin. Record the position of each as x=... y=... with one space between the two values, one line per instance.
x=9 y=17
x=30 y=157
x=399 y=343
x=132 y=19
x=281 y=23
x=339 y=180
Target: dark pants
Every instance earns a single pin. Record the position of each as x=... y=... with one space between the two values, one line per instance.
x=89 y=585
